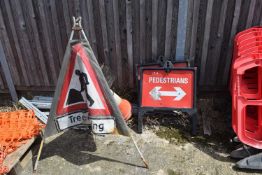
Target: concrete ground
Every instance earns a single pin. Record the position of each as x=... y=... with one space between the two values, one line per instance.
x=165 y=143
x=77 y=152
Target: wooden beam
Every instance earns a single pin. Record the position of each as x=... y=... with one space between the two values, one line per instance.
x=85 y=21
x=45 y=29
x=93 y=41
x=260 y=21
x=12 y=159
x=189 y=26
x=230 y=44
x=251 y=11
x=113 y=59
x=129 y=42
x=57 y=31
x=102 y=11
x=67 y=17
x=192 y=50
x=142 y=34
x=24 y=29
x=7 y=46
x=39 y=49
x=15 y=37
x=218 y=44
x=118 y=43
x=148 y=29
x=7 y=74
x=206 y=40
x=136 y=30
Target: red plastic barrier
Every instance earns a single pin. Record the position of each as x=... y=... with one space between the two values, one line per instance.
x=246 y=87
x=246 y=84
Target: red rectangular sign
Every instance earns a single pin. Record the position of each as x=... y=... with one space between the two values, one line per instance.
x=161 y=89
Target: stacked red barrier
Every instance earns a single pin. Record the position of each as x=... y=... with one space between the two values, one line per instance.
x=246 y=87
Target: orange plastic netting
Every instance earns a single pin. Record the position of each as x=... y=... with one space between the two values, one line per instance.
x=15 y=128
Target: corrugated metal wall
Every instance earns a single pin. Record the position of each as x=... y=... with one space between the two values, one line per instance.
x=122 y=33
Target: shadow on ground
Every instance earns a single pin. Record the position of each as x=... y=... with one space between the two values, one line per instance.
x=76 y=147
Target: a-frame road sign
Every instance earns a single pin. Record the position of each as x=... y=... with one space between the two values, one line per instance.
x=82 y=92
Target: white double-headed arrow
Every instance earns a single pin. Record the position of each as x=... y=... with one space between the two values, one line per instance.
x=156 y=93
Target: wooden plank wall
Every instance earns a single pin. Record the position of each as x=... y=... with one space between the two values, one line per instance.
x=122 y=34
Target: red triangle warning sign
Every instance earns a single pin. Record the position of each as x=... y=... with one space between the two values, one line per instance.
x=81 y=96
x=81 y=89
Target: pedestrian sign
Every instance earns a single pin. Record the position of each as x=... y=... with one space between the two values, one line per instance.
x=172 y=89
x=167 y=86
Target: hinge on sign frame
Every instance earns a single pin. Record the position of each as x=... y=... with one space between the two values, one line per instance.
x=165 y=63
x=168 y=65
x=77 y=25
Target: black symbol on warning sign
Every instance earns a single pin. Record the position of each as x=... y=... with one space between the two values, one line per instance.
x=75 y=96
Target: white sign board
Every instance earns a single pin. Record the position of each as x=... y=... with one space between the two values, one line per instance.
x=103 y=126
x=70 y=120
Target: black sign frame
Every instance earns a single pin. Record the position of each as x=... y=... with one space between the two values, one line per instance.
x=142 y=110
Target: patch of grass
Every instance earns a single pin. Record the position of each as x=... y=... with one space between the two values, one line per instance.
x=173 y=135
x=201 y=173
x=122 y=171
x=172 y=172
x=11 y=107
x=216 y=141
x=19 y=105
x=199 y=139
x=6 y=109
x=180 y=137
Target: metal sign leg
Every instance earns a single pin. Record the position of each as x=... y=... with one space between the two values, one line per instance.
x=140 y=121
x=194 y=123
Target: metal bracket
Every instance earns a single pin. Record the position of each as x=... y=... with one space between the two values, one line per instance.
x=168 y=65
x=77 y=25
x=165 y=63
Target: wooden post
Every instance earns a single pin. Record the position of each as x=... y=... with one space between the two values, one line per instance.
x=7 y=74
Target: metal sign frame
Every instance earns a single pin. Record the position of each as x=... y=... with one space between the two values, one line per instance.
x=144 y=110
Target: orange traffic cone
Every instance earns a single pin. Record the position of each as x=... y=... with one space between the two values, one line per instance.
x=124 y=106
